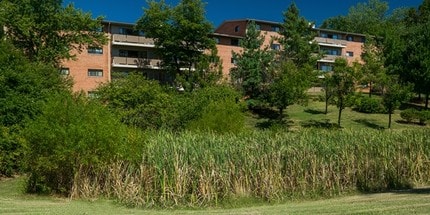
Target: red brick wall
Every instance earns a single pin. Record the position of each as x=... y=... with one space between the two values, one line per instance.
x=79 y=69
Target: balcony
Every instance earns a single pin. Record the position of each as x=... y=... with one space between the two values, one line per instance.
x=330 y=42
x=131 y=62
x=329 y=58
x=131 y=40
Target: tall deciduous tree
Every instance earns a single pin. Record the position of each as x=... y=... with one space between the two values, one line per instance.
x=182 y=35
x=417 y=54
x=47 y=32
x=342 y=81
x=252 y=72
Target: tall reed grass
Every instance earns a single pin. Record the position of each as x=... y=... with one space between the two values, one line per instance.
x=190 y=169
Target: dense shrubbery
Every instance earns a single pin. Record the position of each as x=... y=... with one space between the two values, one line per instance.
x=24 y=87
x=71 y=133
x=410 y=115
x=366 y=104
x=147 y=105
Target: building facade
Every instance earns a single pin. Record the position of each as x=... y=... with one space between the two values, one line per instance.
x=128 y=50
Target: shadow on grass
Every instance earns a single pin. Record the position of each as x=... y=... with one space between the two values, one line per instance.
x=275 y=123
x=313 y=111
x=425 y=191
x=369 y=124
x=266 y=113
x=325 y=123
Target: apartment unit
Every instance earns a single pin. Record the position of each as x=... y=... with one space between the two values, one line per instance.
x=333 y=44
x=129 y=50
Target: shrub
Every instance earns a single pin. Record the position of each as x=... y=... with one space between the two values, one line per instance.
x=409 y=115
x=423 y=117
x=11 y=152
x=71 y=134
x=365 y=104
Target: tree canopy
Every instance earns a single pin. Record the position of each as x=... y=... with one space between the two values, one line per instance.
x=182 y=37
x=46 y=31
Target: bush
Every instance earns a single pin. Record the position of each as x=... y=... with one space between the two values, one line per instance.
x=70 y=135
x=11 y=152
x=410 y=115
x=216 y=109
x=365 y=104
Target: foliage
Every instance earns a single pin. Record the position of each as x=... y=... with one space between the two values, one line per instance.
x=368 y=105
x=47 y=32
x=140 y=102
x=342 y=81
x=252 y=72
x=411 y=115
x=365 y=18
x=24 y=85
x=374 y=71
x=206 y=169
x=81 y=134
x=181 y=33
x=295 y=62
x=394 y=96
x=225 y=116
x=289 y=87
x=11 y=152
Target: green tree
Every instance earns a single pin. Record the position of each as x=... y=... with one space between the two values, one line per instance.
x=47 y=32
x=342 y=80
x=24 y=86
x=181 y=35
x=364 y=18
x=416 y=66
x=294 y=67
x=393 y=97
x=252 y=72
x=373 y=69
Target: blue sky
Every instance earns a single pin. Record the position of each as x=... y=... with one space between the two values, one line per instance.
x=219 y=10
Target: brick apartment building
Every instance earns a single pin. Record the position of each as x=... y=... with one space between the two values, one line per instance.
x=129 y=50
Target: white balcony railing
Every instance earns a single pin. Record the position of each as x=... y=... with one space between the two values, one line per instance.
x=131 y=62
x=131 y=40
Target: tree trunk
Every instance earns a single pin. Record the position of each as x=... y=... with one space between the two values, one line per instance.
x=339 y=116
x=389 y=119
x=427 y=100
x=281 y=113
x=326 y=106
x=370 y=89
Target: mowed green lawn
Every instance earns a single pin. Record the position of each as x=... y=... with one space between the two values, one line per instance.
x=312 y=115
x=13 y=201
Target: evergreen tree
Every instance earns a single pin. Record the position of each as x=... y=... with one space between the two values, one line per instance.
x=252 y=72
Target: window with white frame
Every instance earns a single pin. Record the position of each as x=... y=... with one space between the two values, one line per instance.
x=64 y=71
x=95 y=73
x=95 y=50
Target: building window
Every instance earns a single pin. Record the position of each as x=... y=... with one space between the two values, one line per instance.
x=258 y=27
x=92 y=94
x=217 y=40
x=276 y=28
x=234 y=42
x=326 y=67
x=275 y=46
x=95 y=50
x=233 y=61
x=350 y=54
x=350 y=38
x=95 y=73
x=64 y=71
x=236 y=29
x=329 y=51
